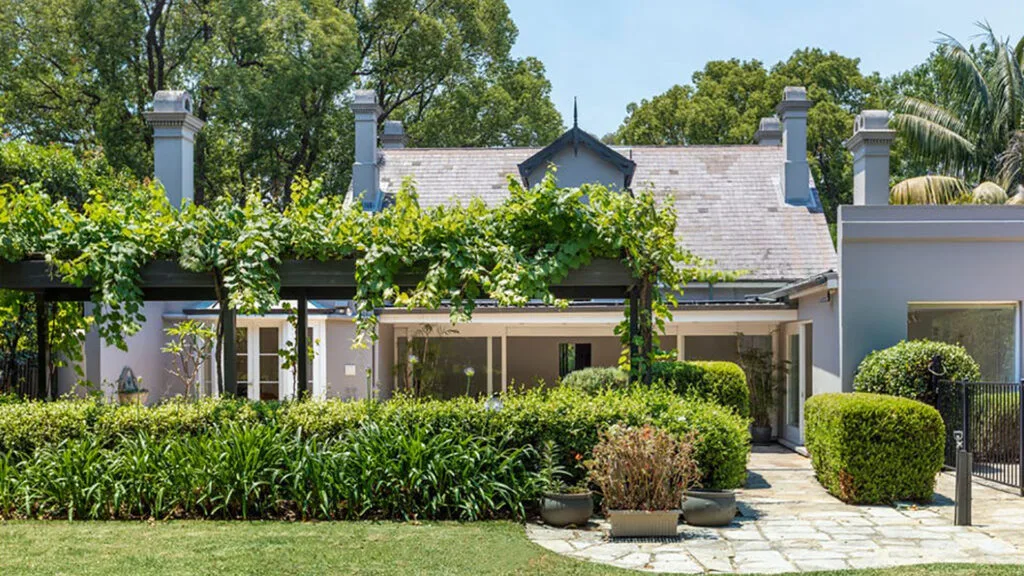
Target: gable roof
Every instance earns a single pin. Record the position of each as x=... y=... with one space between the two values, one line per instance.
x=728 y=199
x=576 y=137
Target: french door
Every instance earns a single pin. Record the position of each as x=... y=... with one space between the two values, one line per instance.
x=796 y=383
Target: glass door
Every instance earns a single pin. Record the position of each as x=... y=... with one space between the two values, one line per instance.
x=795 y=378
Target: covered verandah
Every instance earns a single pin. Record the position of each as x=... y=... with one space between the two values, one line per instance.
x=520 y=348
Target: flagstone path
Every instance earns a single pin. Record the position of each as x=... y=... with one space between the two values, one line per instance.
x=789 y=523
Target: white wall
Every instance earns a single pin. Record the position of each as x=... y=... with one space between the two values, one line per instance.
x=892 y=255
x=823 y=312
x=339 y=353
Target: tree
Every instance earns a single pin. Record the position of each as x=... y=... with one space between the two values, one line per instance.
x=271 y=78
x=728 y=98
x=509 y=105
x=191 y=345
x=970 y=124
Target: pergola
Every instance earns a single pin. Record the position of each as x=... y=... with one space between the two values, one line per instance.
x=301 y=280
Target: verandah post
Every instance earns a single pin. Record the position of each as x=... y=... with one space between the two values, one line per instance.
x=42 y=347
x=302 y=349
x=634 y=324
x=230 y=360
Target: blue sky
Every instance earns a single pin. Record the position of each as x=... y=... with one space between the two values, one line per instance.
x=613 y=52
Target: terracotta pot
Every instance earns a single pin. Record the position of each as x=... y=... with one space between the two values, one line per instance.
x=643 y=523
x=565 y=509
x=139 y=397
x=761 y=434
x=709 y=507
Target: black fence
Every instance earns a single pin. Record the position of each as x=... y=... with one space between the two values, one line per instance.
x=986 y=418
x=18 y=375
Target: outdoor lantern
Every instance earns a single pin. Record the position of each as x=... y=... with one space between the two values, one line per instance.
x=494 y=403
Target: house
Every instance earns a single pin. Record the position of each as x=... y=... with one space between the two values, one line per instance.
x=899 y=271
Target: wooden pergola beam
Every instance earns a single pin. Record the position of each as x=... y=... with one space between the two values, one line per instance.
x=167 y=281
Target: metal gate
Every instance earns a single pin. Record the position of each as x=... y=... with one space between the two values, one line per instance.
x=989 y=414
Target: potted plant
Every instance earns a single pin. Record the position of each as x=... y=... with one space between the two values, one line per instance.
x=764 y=377
x=128 y=388
x=642 y=474
x=562 y=504
x=709 y=507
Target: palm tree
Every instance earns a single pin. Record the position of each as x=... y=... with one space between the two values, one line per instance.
x=979 y=135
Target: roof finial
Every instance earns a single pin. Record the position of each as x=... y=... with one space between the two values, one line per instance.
x=575 y=114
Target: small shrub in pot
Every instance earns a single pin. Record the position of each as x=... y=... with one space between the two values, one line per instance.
x=642 y=473
x=562 y=503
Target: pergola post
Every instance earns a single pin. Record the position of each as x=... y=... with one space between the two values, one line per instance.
x=42 y=347
x=230 y=359
x=302 y=347
x=634 y=330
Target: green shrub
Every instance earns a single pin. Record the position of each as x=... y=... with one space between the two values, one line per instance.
x=721 y=382
x=259 y=471
x=569 y=417
x=871 y=448
x=902 y=370
x=596 y=379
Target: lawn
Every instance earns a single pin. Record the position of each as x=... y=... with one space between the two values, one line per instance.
x=227 y=548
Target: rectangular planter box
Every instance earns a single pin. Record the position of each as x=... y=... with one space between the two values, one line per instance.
x=643 y=524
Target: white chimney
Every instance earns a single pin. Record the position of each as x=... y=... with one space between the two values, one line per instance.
x=393 y=136
x=870 y=147
x=796 y=174
x=365 y=172
x=174 y=135
x=769 y=132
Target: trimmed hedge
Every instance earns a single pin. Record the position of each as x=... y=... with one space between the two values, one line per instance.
x=721 y=382
x=592 y=380
x=902 y=370
x=571 y=418
x=874 y=449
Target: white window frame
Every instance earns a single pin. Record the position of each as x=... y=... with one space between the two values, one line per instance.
x=286 y=390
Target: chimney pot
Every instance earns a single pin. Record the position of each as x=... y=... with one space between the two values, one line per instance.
x=174 y=134
x=769 y=132
x=393 y=136
x=870 y=144
x=796 y=174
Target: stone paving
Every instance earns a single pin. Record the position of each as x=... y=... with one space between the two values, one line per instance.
x=789 y=523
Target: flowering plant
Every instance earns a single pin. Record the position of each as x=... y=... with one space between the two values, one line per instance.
x=643 y=468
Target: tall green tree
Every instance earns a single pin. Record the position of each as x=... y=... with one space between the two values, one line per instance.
x=271 y=78
x=962 y=113
x=727 y=99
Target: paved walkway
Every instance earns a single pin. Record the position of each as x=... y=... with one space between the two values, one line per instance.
x=789 y=523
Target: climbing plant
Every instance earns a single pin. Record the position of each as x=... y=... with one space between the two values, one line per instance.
x=512 y=252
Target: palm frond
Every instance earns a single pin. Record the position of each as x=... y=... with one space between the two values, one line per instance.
x=969 y=73
x=988 y=193
x=1018 y=198
x=929 y=190
x=933 y=138
x=1005 y=80
x=932 y=112
x=1011 y=162
x=1018 y=52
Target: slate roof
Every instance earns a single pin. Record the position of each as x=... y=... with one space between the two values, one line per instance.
x=728 y=198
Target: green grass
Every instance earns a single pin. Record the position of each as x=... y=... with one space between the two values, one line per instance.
x=227 y=548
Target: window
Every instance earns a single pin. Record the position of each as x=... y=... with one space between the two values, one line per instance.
x=269 y=364
x=572 y=357
x=987 y=331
